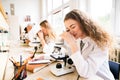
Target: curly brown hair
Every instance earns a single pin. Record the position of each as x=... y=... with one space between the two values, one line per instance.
x=90 y=28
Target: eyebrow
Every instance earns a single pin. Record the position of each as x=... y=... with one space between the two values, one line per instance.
x=71 y=25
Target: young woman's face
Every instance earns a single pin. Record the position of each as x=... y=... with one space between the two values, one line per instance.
x=44 y=30
x=74 y=28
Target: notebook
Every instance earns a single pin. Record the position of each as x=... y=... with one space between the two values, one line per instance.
x=39 y=61
x=35 y=67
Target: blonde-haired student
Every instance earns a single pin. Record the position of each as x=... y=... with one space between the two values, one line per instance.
x=47 y=39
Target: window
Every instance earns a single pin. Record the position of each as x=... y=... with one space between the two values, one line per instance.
x=56 y=12
x=116 y=9
x=57 y=22
x=65 y=1
x=106 y=12
x=66 y=10
x=101 y=10
x=49 y=3
x=57 y=3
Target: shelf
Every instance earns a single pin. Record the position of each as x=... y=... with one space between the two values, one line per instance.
x=3 y=19
x=2 y=11
x=3 y=23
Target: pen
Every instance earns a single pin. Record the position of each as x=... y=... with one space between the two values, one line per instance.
x=34 y=52
x=20 y=60
x=12 y=61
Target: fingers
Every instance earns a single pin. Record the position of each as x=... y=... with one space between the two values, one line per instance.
x=39 y=32
x=66 y=35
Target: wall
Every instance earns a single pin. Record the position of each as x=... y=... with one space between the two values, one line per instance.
x=3 y=23
x=23 y=8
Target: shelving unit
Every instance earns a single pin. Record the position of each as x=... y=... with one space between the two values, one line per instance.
x=4 y=29
x=3 y=22
x=3 y=19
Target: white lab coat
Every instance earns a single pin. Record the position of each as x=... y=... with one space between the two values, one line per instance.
x=32 y=33
x=92 y=60
x=48 y=48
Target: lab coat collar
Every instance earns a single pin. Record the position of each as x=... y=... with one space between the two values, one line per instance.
x=86 y=41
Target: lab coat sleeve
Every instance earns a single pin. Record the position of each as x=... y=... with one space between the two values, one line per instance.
x=48 y=49
x=89 y=66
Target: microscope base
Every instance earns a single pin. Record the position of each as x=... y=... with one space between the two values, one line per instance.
x=62 y=71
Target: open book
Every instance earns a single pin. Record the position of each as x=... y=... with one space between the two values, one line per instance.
x=39 y=61
x=34 y=66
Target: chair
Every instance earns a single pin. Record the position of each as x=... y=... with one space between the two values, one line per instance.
x=115 y=69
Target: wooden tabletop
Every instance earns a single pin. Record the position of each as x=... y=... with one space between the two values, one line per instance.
x=46 y=74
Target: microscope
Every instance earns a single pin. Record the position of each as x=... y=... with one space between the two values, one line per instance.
x=64 y=64
x=36 y=43
x=24 y=38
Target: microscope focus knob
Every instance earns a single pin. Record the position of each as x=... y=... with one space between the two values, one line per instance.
x=58 y=65
x=70 y=61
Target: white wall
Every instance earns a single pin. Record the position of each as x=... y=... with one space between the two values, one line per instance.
x=23 y=8
x=14 y=28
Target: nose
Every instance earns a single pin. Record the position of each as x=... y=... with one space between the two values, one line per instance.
x=71 y=31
